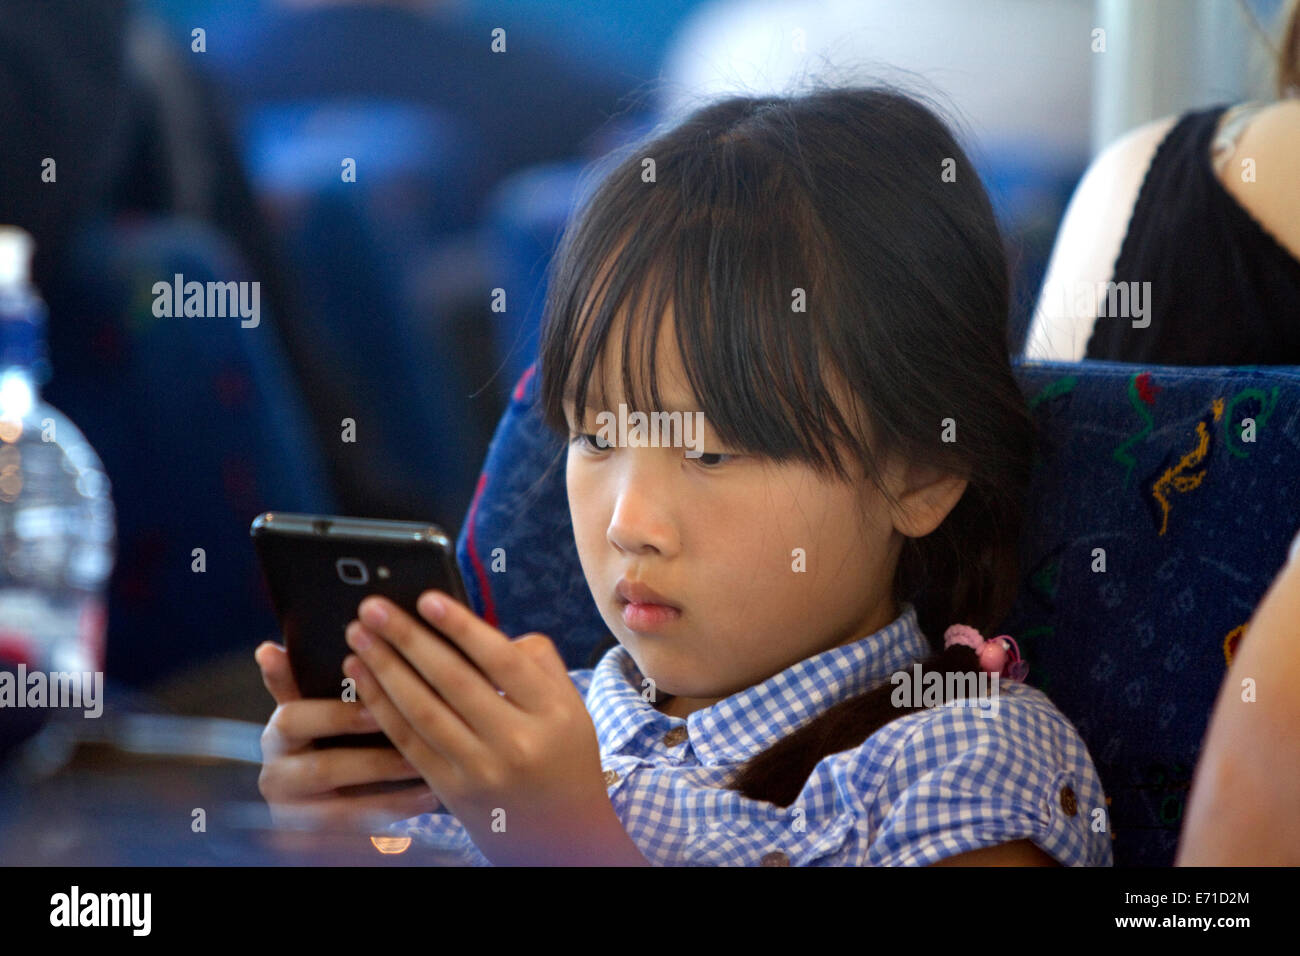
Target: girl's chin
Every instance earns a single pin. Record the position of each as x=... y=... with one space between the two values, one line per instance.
x=654 y=666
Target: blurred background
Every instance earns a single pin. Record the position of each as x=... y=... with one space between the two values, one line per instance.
x=211 y=138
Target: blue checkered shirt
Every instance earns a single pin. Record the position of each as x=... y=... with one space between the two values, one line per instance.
x=925 y=786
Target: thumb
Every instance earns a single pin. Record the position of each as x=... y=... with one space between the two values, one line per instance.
x=276 y=673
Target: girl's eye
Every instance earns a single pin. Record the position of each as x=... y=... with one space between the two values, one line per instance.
x=591 y=441
x=707 y=460
x=714 y=455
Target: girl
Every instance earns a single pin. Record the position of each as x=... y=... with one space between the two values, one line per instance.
x=823 y=278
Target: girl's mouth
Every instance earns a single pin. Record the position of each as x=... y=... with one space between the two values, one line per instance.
x=647 y=618
x=644 y=609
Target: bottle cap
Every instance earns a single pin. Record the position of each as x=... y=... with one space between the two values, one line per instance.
x=16 y=247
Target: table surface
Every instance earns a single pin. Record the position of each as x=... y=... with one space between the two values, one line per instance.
x=98 y=805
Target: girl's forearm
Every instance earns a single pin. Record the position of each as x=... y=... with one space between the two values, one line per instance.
x=612 y=846
x=594 y=836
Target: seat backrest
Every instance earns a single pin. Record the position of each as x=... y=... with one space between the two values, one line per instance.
x=358 y=241
x=1162 y=504
x=200 y=425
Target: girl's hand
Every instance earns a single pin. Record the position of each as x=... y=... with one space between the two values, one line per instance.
x=505 y=742
x=301 y=783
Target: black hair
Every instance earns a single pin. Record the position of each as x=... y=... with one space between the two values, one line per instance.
x=862 y=197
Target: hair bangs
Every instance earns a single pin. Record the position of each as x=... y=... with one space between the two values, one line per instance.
x=739 y=266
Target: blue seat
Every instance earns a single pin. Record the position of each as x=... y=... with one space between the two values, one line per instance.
x=525 y=216
x=356 y=249
x=1149 y=464
x=200 y=426
x=523 y=220
x=1029 y=190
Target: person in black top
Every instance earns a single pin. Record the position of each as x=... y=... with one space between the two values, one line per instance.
x=1181 y=245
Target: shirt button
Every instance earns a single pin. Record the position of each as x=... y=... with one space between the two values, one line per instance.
x=675 y=736
x=1068 y=802
x=611 y=777
x=775 y=858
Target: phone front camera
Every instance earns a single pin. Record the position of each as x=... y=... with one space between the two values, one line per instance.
x=351 y=571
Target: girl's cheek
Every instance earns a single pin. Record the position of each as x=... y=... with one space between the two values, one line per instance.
x=587 y=505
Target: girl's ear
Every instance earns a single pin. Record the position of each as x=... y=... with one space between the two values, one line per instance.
x=926 y=496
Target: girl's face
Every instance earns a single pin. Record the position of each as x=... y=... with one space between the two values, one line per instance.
x=767 y=563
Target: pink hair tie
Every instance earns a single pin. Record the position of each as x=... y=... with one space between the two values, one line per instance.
x=1000 y=655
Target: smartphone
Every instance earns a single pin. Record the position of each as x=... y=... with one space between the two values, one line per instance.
x=318 y=568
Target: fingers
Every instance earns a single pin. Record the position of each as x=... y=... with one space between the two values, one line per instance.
x=490 y=650
x=418 y=723
x=302 y=785
x=276 y=674
x=469 y=666
x=296 y=777
x=296 y=724
x=437 y=662
x=356 y=814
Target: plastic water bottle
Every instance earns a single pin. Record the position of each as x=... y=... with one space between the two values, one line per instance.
x=57 y=524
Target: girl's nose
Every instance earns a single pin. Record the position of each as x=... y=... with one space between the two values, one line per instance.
x=643 y=517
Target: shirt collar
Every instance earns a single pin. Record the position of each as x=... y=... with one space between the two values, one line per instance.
x=746 y=723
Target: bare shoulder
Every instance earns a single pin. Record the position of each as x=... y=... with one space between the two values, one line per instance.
x=1089 y=239
x=1272 y=141
x=1104 y=200
x=1133 y=150
x=1275 y=128
x=1109 y=189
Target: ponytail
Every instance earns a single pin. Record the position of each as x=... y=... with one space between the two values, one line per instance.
x=779 y=773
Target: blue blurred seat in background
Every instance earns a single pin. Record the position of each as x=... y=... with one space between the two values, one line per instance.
x=353 y=247
x=395 y=290
x=1029 y=191
x=525 y=217
x=200 y=426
